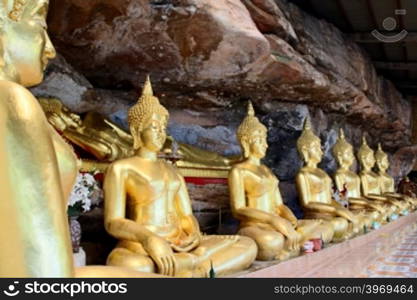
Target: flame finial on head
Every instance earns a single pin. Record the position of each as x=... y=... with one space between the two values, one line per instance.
x=342 y=133
x=147 y=87
x=251 y=111
x=307 y=124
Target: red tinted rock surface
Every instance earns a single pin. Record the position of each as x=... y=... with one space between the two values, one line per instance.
x=204 y=53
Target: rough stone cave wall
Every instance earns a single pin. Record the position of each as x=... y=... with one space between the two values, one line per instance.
x=208 y=58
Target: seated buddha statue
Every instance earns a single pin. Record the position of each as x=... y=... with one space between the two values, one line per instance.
x=345 y=178
x=370 y=184
x=315 y=189
x=38 y=168
x=147 y=208
x=256 y=200
x=107 y=142
x=387 y=183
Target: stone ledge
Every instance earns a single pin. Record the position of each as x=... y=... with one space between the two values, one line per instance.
x=347 y=259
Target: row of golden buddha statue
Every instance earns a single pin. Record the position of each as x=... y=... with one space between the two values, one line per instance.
x=147 y=206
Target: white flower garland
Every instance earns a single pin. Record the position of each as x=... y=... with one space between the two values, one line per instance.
x=87 y=191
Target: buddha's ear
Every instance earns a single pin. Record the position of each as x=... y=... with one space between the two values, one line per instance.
x=305 y=155
x=136 y=138
x=245 y=147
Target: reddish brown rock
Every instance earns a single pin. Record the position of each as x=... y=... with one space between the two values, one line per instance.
x=206 y=54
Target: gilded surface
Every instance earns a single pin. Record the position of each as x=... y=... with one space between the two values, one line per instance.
x=38 y=168
x=256 y=200
x=387 y=183
x=345 y=178
x=370 y=181
x=147 y=208
x=315 y=188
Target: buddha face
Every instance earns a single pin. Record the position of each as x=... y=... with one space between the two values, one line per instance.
x=383 y=163
x=258 y=145
x=314 y=152
x=153 y=136
x=368 y=160
x=26 y=45
x=346 y=158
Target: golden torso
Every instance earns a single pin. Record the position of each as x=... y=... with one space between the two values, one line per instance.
x=35 y=211
x=318 y=185
x=260 y=188
x=371 y=181
x=386 y=183
x=152 y=186
x=350 y=180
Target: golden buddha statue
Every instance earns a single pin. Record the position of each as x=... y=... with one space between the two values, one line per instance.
x=370 y=183
x=315 y=189
x=387 y=183
x=349 y=180
x=256 y=200
x=38 y=168
x=147 y=208
x=107 y=142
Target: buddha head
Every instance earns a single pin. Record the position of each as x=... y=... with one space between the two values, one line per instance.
x=59 y=115
x=148 y=121
x=366 y=155
x=343 y=151
x=309 y=145
x=252 y=135
x=381 y=159
x=25 y=47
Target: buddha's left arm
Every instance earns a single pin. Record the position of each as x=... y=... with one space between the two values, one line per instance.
x=283 y=210
x=183 y=205
x=68 y=164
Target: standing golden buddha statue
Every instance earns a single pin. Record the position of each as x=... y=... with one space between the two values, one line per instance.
x=387 y=183
x=38 y=168
x=147 y=208
x=256 y=200
x=315 y=189
x=349 y=180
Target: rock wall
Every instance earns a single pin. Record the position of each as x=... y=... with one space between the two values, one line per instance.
x=208 y=58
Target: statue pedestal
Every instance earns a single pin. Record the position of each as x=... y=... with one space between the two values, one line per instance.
x=346 y=259
x=80 y=258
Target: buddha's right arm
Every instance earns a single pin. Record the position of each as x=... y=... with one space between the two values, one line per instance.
x=115 y=220
x=338 y=179
x=238 y=200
